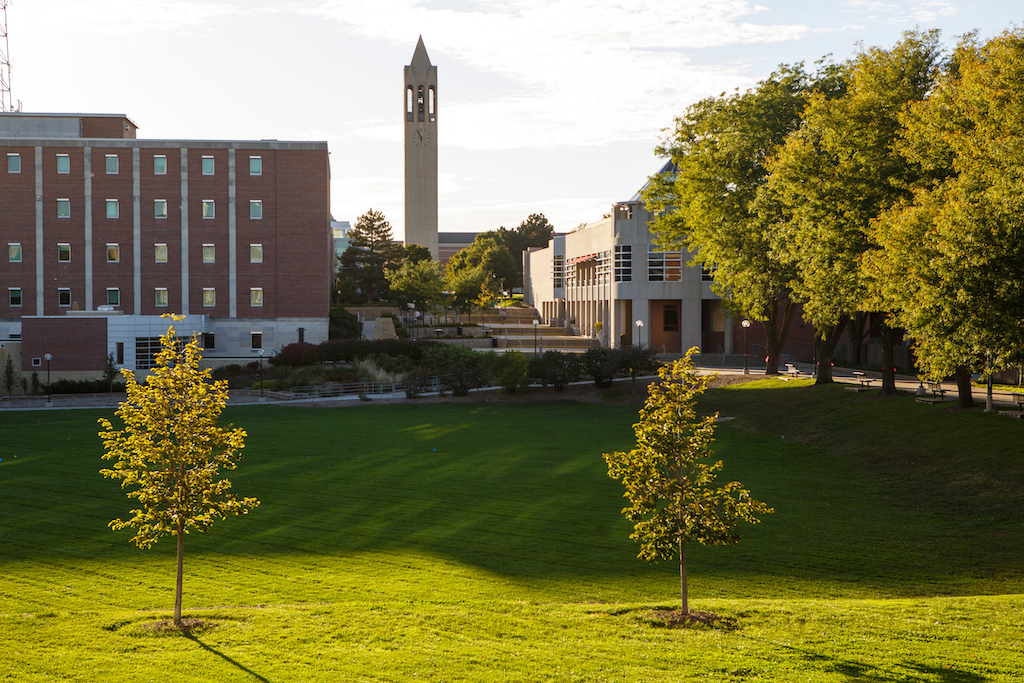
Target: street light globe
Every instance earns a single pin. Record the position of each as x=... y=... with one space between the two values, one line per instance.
x=639 y=323
x=48 y=356
x=536 y=322
x=745 y=323
x=261 y=353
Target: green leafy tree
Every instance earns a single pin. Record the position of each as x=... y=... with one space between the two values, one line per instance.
x=371 y=253
x=419 y=283
x=952 y=259
x=170 y=451
x=414 y=253
x=705 y=201
x=10 y=376
x=110 y=371
x=535 y=231
x=836 y=175
x=464 y=288
x=670 y=483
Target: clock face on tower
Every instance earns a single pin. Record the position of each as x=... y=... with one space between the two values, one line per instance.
x=421 y=137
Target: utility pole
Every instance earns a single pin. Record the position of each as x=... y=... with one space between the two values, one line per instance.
x=6 y=99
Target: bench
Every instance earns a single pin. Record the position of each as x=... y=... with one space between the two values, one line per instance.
x=792 y=370
x=865 y=382
x=938 y=393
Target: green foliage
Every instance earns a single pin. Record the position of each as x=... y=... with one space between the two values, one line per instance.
x=344 y=325
x=556 y=369
x=415 y=253
x=601 y=364
x=371 y=253
x=461 y=368
x=509 y=370
x=419 y=283
x=36 y=387
x=10 y=376
x=673 y=498
x=170 y=450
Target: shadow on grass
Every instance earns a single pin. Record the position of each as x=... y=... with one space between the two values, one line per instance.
x=227 y=659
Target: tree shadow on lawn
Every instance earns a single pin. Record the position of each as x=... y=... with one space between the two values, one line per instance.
x=195 y=639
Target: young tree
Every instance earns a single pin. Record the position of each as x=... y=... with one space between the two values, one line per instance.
x=673 y=498
x=171 y=449
x=10 y=376
x=419 y=283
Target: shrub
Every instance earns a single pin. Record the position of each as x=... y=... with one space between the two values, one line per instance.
x=299 y=353
x=461 y=368
x=268 y=385
x=344 y=325
x=601 y=364
x=509 y=370
x=556 y=369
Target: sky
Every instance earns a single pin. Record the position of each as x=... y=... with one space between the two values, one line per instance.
x=544 y=106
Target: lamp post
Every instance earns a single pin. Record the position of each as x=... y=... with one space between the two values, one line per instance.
x=745 y=324
x=535 y=324
x=262 y=398
x=49 y=394
x=639 y=332
x=412 y=318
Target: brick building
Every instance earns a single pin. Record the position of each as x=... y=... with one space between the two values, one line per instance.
x=106 y=232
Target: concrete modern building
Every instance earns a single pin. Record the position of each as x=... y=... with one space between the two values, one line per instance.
x=609 y=280
x=106 y=232
x=340 y=241
x=420 y=121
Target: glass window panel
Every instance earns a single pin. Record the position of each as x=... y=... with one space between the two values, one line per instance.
x=63 y=208
x=63 y=163
x=15 y=295
x=113 y=253
x=113 y=297
x=159 y=165
x=208 y=253
x=255 y=165
x=256 y=296
x=64 y=253
x=111 y=164
x=208 y=208
x=255 y=209
x=209 y=297
x=112 y=208
x=161 y=296
x=160 y=208
x=207 y=165
x=257 y=340
x=255 y=253
x=14 y=252
x=161 y=253
x=14 y=163
x=64 y=297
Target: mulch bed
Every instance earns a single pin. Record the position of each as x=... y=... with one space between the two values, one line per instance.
x=680 y=619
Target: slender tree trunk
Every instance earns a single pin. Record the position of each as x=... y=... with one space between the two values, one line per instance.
x=683 y=597
x=824 y=345
x=177 y=590
x=963 y=387
x=775 y=332
x=857 y=334
x=888 y=362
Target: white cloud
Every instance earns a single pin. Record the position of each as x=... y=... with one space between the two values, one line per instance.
x=101 y=17
x=582 y=72
x=903 y=13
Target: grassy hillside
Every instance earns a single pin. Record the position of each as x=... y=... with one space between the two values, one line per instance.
x=483 y=542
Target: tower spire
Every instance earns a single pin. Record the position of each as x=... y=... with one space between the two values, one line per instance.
x=420 y=119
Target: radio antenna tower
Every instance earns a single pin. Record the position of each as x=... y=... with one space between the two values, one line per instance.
x=6 y=101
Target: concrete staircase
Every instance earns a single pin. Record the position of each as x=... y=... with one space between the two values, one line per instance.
x=514 y=331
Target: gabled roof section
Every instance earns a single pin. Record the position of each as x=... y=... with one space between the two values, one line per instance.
x=420 y=62
x=669 y=168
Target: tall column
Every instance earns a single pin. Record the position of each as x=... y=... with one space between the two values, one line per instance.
x=184 y=231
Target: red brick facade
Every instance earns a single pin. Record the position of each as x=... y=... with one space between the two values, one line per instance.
x=75 y=343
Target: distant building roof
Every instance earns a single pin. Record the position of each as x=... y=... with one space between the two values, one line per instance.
x=670 y=167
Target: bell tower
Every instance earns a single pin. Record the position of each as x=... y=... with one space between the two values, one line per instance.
x=420 y=117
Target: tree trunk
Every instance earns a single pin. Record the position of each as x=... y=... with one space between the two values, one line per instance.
x=857 y=334
x=683 y=598
x=963 y=387
x=888 y=363
x=177 y=590
x=824 y=345
x=775 y=332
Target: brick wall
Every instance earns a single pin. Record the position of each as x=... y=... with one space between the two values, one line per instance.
x=76 y=343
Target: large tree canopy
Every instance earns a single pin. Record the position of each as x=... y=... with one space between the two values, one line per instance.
x=371 y=253
x=952 y=260
x=720 y=148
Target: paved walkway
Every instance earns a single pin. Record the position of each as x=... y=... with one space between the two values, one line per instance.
x=905 y=383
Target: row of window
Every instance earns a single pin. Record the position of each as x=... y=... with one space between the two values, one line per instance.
x=147 y=348
x=14 y=252
x=160 y=296
x=160 y=208
x=113 y=164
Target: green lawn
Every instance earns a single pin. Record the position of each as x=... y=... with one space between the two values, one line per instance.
x=456 y=542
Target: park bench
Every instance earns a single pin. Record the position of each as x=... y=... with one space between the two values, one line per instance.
x=938 y=393
x=1017 y=398
x=865 y=382
x=792 y=370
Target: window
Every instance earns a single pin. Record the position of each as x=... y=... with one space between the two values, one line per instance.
x=208 y=208
x=209 y=341
x=255 y=209
x=209 y=296
x=14 y=252
x=671 y=318
x=14 y=294
x=208 y=253
x=160 y=252
x=664 y=266
x=37 y=362
x=256 y=296
x=207 y=165
x=558 y=271
x=120 y=353
x=257 y=340
x=160 y=165
x=624 y=263
x=160 y=297
x=63 y=163
x=112 y=208
x=64 y=297
x=63 y=252
x=708 y=274
x=255 y=165
x=111 y=164
x=14 y=163
x=113 y=252
x=255 y=253
x=430 y=104
x=146 y=349
x=160 y=208
x=113 y=296
x=63 y=208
